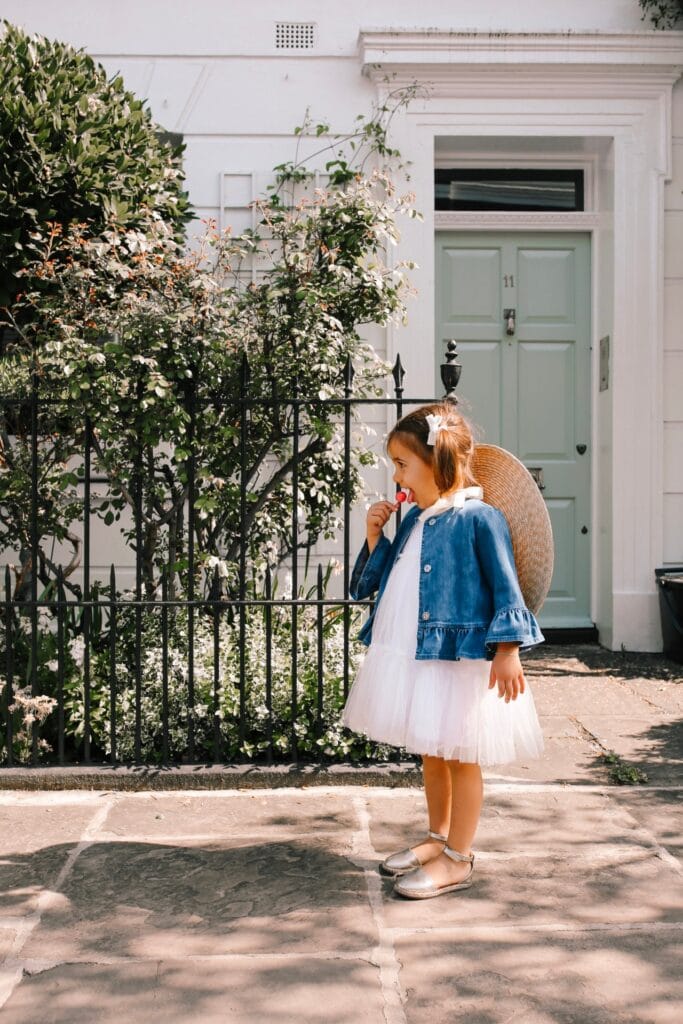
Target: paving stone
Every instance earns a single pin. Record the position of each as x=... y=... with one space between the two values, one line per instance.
x=666 y=695
x=653 y=743
x=154 y=899
x=247 y=814
x=492 y=976
x=297 y=990
x=7 y=937
x=545 y=856
x=566 y=822
x=661 y=813
x=617 y=890
x=35 y=840
x=561 y=694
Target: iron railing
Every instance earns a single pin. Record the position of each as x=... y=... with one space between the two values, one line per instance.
x=85 y=722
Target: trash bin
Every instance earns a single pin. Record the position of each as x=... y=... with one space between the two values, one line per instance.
x=670 y=583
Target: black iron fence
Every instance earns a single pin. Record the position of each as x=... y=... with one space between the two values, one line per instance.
x=204 y=658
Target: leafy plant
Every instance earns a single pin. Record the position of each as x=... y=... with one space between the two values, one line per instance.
x=622 y=773
x=160 y=348
x=76 y=146
x=663 y=13
x=249 y=725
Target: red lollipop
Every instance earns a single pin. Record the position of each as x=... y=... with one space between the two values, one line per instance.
x=401 y=496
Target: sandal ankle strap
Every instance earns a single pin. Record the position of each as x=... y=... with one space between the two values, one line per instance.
x=454 y=855
x=437 y=835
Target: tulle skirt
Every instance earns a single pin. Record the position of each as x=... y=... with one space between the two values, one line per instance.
x=442 y=708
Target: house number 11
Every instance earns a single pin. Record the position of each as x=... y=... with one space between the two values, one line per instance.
x=509 y=280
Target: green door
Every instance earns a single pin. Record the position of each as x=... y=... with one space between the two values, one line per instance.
x=518 y=304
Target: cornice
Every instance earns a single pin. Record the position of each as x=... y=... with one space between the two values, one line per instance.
x=393 y=49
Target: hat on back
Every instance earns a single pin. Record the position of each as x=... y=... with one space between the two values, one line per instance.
x=509 y=486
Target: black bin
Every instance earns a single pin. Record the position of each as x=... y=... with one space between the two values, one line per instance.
x=670 y=583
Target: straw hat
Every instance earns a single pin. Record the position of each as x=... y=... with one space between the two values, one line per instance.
x=509 y=486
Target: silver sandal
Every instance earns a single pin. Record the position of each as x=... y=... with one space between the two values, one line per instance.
x=399 y=863
x=419 y=886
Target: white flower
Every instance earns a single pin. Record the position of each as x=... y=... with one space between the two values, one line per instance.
x=77 y=649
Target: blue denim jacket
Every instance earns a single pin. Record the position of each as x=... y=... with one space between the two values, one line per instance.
x=469 y=598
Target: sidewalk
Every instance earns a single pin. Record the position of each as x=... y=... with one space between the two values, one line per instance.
x=248 y=905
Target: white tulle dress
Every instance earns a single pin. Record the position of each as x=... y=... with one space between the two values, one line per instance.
x=442 y=708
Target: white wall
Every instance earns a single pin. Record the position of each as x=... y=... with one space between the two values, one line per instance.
x=673 y=346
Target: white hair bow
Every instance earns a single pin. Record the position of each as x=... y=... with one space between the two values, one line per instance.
x=435 y=425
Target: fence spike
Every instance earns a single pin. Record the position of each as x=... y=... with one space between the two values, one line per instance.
x=349 y=374
x=245 y=371
x=398 y=373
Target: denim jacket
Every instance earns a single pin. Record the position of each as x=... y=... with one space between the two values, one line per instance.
x=469 y=595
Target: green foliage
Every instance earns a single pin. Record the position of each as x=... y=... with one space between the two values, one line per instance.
x=248 y=727
x=621 y=773
x=76 y=146
x=663 y=13
x=134 y=332
x=148 y=343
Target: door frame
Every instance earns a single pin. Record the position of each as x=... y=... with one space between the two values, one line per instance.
x=518 y=223
x=583 y=89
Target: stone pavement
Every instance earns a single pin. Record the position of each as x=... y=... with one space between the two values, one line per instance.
x=246 y=905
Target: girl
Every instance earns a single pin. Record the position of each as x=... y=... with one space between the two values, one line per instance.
x=444 y=635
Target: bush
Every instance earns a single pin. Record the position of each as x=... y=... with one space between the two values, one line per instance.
x=250 y=727
x=76 y=146
x=663 y=13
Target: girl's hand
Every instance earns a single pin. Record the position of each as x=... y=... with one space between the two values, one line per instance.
x=506 y=671
x=377 y=518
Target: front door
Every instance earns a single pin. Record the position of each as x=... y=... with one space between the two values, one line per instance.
x=518 y=305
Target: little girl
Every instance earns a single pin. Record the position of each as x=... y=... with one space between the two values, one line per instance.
x=446 y=629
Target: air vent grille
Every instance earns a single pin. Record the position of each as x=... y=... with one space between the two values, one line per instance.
x=294 y=35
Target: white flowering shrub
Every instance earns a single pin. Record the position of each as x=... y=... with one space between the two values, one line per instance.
x=259 y=724
x=209 y=378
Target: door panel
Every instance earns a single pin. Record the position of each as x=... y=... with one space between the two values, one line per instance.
x=481 y=401
x=528 y=391
x=563 y=519
x=545 y=395
x=473 y=285
x=546 y=280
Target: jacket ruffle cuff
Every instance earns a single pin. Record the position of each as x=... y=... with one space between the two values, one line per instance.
x=513 y=625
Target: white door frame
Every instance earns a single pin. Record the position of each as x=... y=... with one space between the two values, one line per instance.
x=586 y=86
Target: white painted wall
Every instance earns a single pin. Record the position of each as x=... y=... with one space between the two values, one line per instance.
x=211 y=71
x=673 y=346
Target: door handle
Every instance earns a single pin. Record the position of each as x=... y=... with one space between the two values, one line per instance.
x=509 y=317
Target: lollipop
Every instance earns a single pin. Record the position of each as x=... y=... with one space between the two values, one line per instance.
x=401 y=496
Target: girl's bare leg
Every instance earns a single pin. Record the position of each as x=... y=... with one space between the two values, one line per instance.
x=437 y=783
x=467 y=797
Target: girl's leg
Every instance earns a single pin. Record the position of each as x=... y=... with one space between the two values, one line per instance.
x=437 y=782
x=467 y=797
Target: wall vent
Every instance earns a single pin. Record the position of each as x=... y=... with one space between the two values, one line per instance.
x=294 y=35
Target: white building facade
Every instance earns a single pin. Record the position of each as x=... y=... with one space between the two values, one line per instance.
x=588 y=387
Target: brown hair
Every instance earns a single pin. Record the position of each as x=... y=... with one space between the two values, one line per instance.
x=450 y=457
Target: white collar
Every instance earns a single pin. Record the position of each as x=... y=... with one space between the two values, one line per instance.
x=455 y=500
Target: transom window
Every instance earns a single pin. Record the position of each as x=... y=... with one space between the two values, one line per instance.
x=508 y=189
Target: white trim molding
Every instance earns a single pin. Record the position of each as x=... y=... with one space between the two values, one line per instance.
x=387 y=48
x=613 y=92
x=474 y=220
